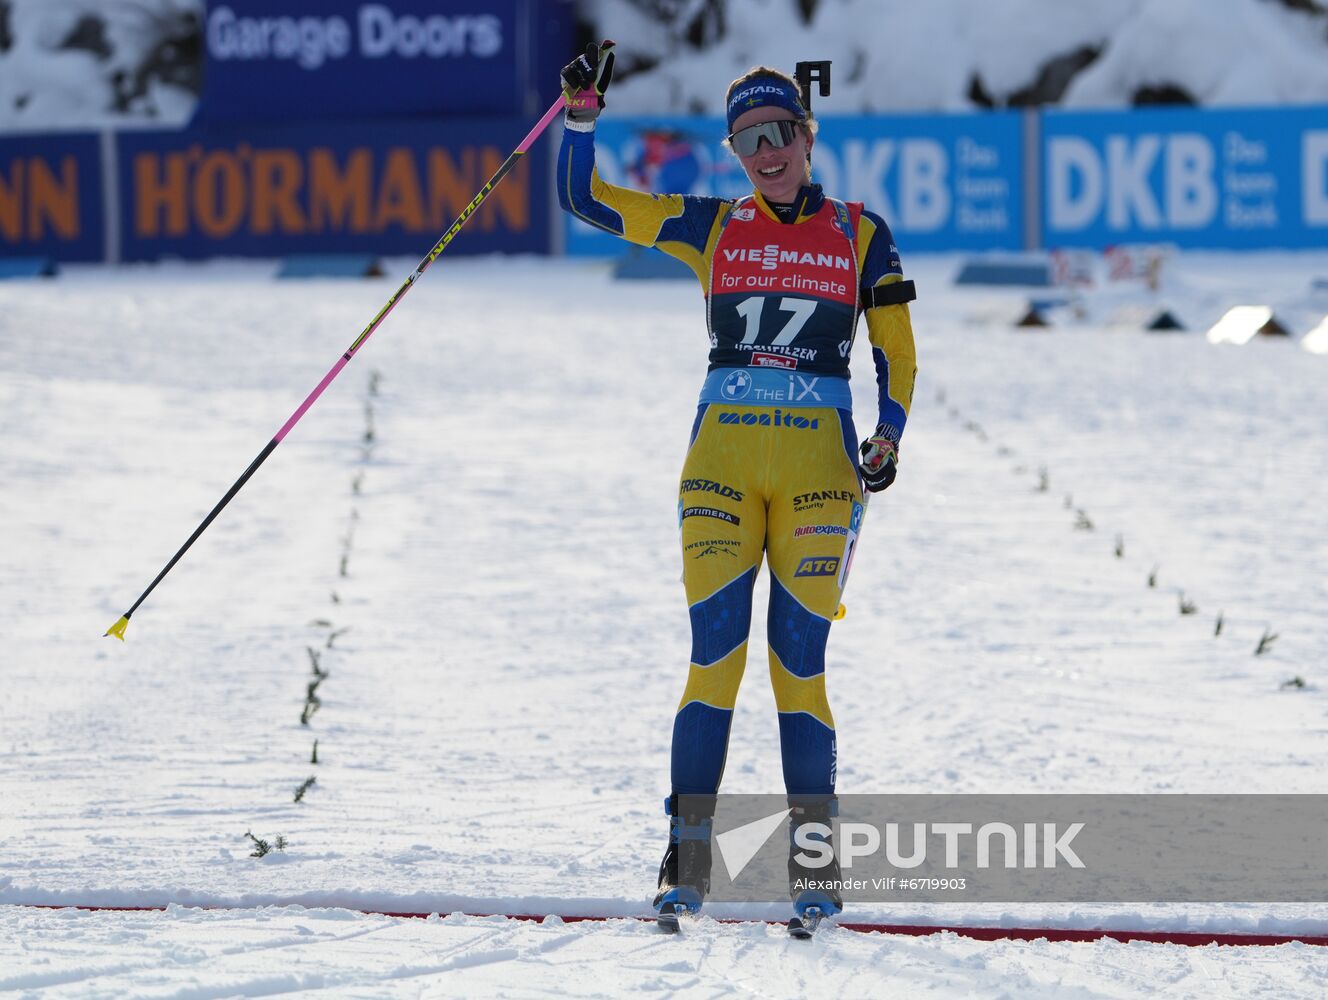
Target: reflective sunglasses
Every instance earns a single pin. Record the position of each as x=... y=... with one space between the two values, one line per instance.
x=779 y=134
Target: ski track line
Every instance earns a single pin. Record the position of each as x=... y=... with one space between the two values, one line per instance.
x=86 y=974
x=1074 y=935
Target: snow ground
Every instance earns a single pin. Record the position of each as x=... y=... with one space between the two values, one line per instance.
x=507 y=645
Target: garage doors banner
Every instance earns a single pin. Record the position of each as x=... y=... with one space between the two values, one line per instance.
x=301 y=59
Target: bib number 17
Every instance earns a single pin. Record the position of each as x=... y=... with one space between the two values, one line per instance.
x=750 y=310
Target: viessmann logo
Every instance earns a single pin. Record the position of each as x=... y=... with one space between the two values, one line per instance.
x=378 y=32
x=772 y=255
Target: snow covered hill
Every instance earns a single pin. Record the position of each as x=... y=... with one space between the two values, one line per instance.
x=472 y=537
x=962 y=54
x=83 y=63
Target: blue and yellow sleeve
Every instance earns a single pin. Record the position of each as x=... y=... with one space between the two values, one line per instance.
x=682 y=226
x=889 y=327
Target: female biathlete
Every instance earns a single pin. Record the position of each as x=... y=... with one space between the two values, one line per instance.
x=774 y=464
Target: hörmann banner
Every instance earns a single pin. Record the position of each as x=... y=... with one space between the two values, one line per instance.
x=942 y=182
x=51 y=197
x=1236 y=179
x=302 y=59
x=333 y=188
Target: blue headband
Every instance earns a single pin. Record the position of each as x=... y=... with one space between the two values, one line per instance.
x=764 y=92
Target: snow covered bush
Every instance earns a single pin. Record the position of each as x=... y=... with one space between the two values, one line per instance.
x=679 y=55
x=79 y=63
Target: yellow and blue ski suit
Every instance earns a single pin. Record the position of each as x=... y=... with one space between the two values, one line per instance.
x=772 y=462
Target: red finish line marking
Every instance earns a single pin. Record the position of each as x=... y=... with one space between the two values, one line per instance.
x=1189 y=939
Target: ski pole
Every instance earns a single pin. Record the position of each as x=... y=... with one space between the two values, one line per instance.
x=855 y=520
x=118 y=629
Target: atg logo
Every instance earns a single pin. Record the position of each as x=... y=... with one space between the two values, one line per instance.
x=818 y=566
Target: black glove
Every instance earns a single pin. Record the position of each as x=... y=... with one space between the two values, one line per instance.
x=584 y=81
x=880 y=455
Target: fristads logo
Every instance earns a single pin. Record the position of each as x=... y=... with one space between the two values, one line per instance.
x=710 y=486
x=378 y=33
x=762 y=88
x=818 y=566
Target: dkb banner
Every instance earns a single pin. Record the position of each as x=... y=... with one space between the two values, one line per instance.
x=302 y=59
x=1014 y=848
x=1238 y=179
x=942 y=182
x=335 y=188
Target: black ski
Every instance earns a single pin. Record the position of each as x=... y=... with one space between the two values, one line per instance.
x=668 y=919
x=803 y=925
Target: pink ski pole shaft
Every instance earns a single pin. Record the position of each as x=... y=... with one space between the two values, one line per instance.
x=118 y=629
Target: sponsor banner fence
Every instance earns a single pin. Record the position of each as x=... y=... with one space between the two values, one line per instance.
x=1013 y=848
x=1238 y=179
x=51 y=197
x=334 y=188
x=303 y=59
x=942 y=182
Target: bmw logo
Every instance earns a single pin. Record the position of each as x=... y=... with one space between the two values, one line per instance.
x=737 y=385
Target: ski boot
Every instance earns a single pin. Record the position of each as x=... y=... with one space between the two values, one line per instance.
x=684 y=874
x=815 y=890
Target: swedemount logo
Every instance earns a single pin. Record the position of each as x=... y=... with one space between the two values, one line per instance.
x=738 y=846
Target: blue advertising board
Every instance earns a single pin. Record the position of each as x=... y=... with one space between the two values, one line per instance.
x=1237 y=179
x=343 y=187
x=942 y=182
x=302 y=59
x=51 y=197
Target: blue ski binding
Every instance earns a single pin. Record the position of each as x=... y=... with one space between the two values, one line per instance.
x=680 y=901
x=809 y=909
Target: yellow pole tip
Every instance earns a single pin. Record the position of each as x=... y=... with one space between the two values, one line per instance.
x=840 y=613
x=118 y=629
